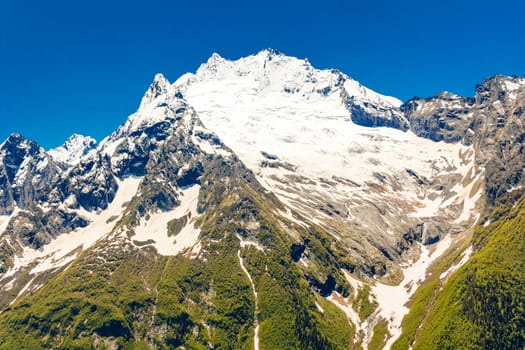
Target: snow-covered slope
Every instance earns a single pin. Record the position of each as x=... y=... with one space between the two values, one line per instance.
x=292 y=124
x=76 y=148
x=282 y=105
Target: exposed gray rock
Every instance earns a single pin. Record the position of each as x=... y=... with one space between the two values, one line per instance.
x=7 y=203
x=369 y=114
x=34 y=228
x=444 y=117
x=27 y=173
x=492 y=122
x=92 y=183
x=500 y=133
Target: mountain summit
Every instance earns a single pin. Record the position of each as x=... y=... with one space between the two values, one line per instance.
x=74 y=149
x=262 y=203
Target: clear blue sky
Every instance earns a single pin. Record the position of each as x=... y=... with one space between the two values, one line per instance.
x=82 y=66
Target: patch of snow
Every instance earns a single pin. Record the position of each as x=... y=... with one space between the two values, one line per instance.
x=23 y=171
x=462 y=193
x=42 y=164
x=465 y=257
x=75 y=149
x=288 y=215
x=195 y=250
x=22 y=291
x=321 y=310
x=156 y=228
x=345 y=305
x=4 y=220
x=354 y=282
x=245 y=243
x=255 y=318
x=515 y=188
x=303 y=262
x=209 y=148
x=469 y=199
x=512 y=86
x=427 y=208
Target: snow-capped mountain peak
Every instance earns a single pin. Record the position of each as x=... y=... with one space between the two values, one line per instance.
x=162 y=100
x=159 y=87
x=76 y=148
x=272 y=75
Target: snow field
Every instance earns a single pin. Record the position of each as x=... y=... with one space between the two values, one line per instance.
x=156 y=228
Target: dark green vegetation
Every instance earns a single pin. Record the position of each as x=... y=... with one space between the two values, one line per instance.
x=381 y=334
x=363 y=304
x=176 y=225
x=482 y=306
x=118 y=296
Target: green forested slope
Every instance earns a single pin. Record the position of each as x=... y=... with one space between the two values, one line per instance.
x=118 y=296
x=482 y=306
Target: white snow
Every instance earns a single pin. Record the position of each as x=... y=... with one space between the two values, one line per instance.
x=22 y=291
x=245 y=243
x=74 y=150
x=465 y=257
x=4 y=220
x=23 y=171
x=427 y=208
x=287 y=213
x=392 y=299
x=244 y=102
x=255 y=318
x=514 y=188
x=156 y=228
x=271 y=104
x=469 y=200
x=210 y=148
x=345 y=304
x=321 y=310
x=513 y=85
x=462 y=192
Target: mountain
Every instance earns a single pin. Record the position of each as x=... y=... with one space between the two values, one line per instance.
x=263 y=203
x=289 y=123
x=74 y=149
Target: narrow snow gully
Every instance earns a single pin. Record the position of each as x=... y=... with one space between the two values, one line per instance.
x=256 y=321
x=391 y=300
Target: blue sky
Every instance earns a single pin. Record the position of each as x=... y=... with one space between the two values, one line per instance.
x=82 y=66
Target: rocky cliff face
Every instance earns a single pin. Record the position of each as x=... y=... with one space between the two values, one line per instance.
x=492 y=122
x=500 y=114
x=27 y=174
x=444 y=117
